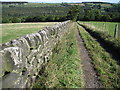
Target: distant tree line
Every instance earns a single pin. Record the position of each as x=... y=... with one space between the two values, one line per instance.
x=95 y=15
x=91 y=15
x=34 y=19
x=61 y=13
x=111 y=14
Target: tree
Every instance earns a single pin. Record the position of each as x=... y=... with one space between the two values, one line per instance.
x=81 y=13
x=73 y=13
x=87 y=15
x=98 y=14
x=64 y=4
x=15 y=20
x=6 y=20
x=106 y=18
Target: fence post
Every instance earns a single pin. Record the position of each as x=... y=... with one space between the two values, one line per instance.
x=116 y=31
x=104 y=26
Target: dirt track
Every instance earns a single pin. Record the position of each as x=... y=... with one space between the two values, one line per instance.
x=91 y=80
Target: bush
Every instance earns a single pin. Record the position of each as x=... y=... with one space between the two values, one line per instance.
x=6 y=20
x=15 y=20
x=50 y=18
x=106 y=18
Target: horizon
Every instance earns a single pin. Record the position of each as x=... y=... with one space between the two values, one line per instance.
x=60 y=1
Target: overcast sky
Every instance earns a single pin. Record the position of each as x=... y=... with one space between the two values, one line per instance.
x=58 y=1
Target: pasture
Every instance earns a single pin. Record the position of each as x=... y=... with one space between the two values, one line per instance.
x=16 y=30
x=104 y=26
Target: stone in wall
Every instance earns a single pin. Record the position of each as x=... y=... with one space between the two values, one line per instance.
x=23 y=58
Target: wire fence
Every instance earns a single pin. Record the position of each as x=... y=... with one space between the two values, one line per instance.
x=111 y=28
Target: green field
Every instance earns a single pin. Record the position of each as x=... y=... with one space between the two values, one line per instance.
x=34 y=9
x=104 y=26
x=15 y=30
x=106 y=67
x=34 y=5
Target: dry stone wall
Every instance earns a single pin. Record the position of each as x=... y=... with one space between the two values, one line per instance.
x=23 y=58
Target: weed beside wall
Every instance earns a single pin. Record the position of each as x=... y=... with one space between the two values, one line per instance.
x=23 y=58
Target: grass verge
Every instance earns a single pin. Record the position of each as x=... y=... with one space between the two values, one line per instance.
x=112 y=43
x=108 y=27
x=107 y=69
x=64 y=69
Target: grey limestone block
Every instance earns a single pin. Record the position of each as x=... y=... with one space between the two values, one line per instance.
x=22 y=44
x=34 y=40
x=23 y=58
x=11 y=56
